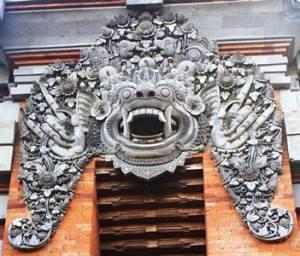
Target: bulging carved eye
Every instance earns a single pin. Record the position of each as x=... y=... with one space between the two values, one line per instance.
x=164 y=92
x=126 y=94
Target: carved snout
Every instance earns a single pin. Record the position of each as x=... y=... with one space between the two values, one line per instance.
x=146 y=91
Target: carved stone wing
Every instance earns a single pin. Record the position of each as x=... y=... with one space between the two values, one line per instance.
x=247 y=147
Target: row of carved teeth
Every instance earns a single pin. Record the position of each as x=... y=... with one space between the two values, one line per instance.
x=146 y=112
x=138 y=140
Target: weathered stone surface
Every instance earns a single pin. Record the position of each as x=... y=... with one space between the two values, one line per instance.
x=298 y=62
x=291 y=121
x=296 y=188
x=2 y=4
x=146 y=5
x=290 y=101
x=295 y=85
x=4 y=75
x=7 y=132
x=293 y=142
x=3 y=205
x=30 y=70
x=21 y=91
x=265 y=60
x=273 y=68
x=280 y=82
x=26 y=79
x=9 y=111
x=6 y=153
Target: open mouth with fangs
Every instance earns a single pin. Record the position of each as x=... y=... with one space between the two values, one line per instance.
x=148 y=125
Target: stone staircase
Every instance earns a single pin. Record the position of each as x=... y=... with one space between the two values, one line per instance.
x=163 y=217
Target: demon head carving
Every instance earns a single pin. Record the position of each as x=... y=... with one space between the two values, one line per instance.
x=155 y=122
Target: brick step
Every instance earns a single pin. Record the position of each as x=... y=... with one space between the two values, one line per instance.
x=154 y=246
x=152 y=231
x=116 y=187
x=151 y=215
x=150 y=201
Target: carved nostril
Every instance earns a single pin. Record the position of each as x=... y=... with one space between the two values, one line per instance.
x=151 y=94
x=139 y=94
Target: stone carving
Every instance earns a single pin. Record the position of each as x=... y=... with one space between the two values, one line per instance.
x=146 y=96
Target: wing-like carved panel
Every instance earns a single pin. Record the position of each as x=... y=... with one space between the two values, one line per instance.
x=146 y=96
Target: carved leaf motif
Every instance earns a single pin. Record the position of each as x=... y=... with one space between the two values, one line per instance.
x=240 y=82
x=160 y=44
x=263 y=231
x=131 y=46
x=17 y=223
x=261 y=205
x=135 y=59
x=47 y=192
x=282 y=231
x=46 y=226
x=237 y=162
x=33 y=240
x=252 y=218
x=34 y=196
x=59 y=170
x=281 y=212
x=234 y=183
x=72 y=170
x=251 y=185
x=73 y=77
x=235 y=198
x=82 y=73
x=51 y=81
x=261 y=162
x=39 y=168
x=225 y=175
x=221 y=69
x=18 y=240
x=273 y=182
x=26 y=190
x=158 y=58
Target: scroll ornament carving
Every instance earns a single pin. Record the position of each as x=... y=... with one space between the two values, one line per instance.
x=146 y=96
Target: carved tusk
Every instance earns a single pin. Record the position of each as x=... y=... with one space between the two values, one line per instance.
x=161 y=117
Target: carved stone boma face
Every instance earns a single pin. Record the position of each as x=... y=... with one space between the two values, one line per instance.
x=146 y=96
x=150 y=122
